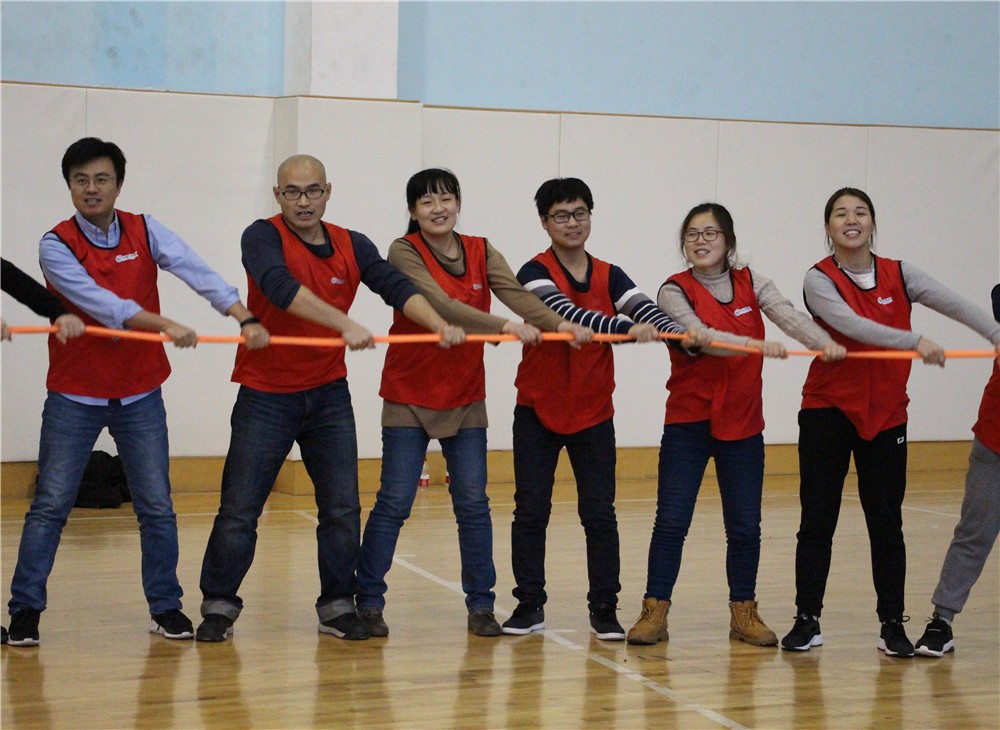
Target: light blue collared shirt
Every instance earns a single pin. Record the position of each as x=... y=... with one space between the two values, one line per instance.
x=171 y=253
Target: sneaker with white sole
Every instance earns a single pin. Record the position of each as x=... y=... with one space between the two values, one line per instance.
x=526 y=618
x=172 y=624
x=348 y=626
x=892 y=638
x=604 y=623
x=805 y=634
x=937 y=639
x=24 y=628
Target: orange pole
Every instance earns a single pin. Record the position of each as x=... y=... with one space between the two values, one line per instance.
x=432 y=337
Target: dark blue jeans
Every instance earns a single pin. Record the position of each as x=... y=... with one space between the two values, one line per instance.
x=592 y=455
x=684 y=453
x=403 y=452
x=69 y=431
x=264 y=427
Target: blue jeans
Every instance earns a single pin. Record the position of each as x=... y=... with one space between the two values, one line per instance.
x=403 y=453
x=593 y=456
x=264 y=427
x=684 y=453
x=69 y=431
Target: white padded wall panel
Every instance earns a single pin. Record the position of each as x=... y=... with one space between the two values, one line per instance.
x=200 y=165
x=368 y=147
x=39 y=122
x=500 y=159
x=936 y=196
x=775 y=179
x=645 y=174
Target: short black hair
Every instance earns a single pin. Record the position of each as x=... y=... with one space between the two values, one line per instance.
x=91 y=148
x=426 y=182
x=562 y=190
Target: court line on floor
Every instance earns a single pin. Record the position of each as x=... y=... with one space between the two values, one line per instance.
x=553 y=636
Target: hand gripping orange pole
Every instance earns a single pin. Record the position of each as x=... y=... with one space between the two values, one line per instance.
x=431 y=337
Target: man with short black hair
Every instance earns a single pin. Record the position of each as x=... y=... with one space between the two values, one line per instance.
x=102 y=264
x=564 y=400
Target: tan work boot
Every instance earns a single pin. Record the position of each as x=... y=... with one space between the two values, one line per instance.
x=746 y=625
x=652 y=623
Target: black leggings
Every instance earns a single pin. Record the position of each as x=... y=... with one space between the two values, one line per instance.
x=827 y=439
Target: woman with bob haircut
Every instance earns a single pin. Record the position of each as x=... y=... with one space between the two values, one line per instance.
x=426 y=396
x=858 y=408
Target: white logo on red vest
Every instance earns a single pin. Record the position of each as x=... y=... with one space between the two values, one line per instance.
x=477 y=287
x=887 y=300
x=120 y=259
x=742 y=310
x=336 y=280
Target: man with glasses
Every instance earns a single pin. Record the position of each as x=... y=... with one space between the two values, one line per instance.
x=303 y=274
x=564 y=399
x=102 y=264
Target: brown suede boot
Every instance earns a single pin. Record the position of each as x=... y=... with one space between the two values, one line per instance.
x=652 y=623
x=746 y=625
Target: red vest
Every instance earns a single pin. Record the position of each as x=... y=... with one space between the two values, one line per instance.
x=723 y=390
x=987 y=428
x=569 y=389
x=100 y=367
x=424 y=374
x=335 y=280
x=871 y=393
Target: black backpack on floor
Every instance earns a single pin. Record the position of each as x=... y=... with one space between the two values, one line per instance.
x=104 y=484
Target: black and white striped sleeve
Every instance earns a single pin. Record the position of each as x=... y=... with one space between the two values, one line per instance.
x=635 y=305
x=534 y=277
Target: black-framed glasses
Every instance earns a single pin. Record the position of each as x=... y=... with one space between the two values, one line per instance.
x=563 y=216
x=310 y=193
x=709 y=234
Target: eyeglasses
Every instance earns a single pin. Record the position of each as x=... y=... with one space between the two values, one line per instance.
x=83 y=182
x=310 y=193
x=563 y=216
x=709 y=234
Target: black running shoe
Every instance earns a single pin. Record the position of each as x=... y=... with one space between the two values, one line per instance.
x=526 y=618
x=892 y=639
x=173 y=624
x=805 y=634
x=24 y=628
x=214 y=628
x=937 y=639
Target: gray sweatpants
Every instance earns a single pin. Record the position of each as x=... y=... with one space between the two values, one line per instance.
x=975 y=532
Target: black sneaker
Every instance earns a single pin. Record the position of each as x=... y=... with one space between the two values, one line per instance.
x=482 y=622
x=214 y=627
x=805 y=634
x=374 y=622
x=604 y=623
x=3 y=634
x=24 y=628
x=347 y=626
x=937 y=639
x=173 y=624
x=892 y=639
x=525 y=619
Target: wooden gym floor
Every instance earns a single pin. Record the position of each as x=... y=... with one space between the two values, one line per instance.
x=97 y=667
